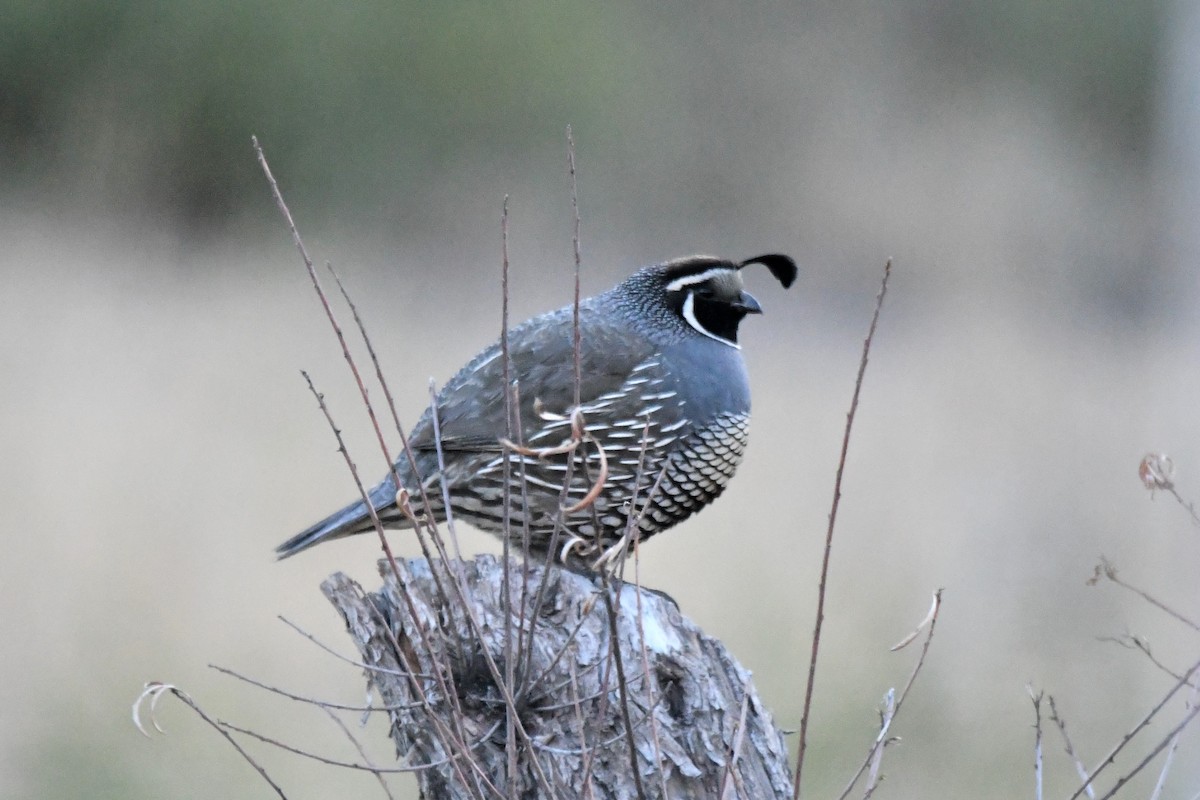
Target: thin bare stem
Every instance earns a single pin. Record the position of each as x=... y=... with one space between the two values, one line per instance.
x=439 y=674
x=460 y=595
x=337 y=329
x=391 y=559
x=155 y=690
x=881 y=739
x=602 y=711
x=513 y=390
x=735 y=747
x=1037 y=739
x=1166 y=741
x=578 y=258
x=402 y=502
x=1127 y=738
x=583 y=730
x=349 y=764
x=1187 y=506
x=1133 y=642
x=361 y=751
x=316 y=283
x=1061 y=724
x=452 y=741
x=837 y=497
x=351 y=661
x=325 y=704
x=441 y=458
x=622 y=685
x=647 y=712
x=886 y=715
x=362 y=491
x=431 y=524
x=1109 y=570
x=1166 y=768
x=1157 y=471
x=588 y=499
x=633 y=533
x=454 y=734
x=539 y=597
x=532 y=684
x=554 y=689
x=510 y=730
x=452 y=737
x=612 y=607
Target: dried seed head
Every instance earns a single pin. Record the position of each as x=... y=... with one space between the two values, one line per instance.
x=1157 y=471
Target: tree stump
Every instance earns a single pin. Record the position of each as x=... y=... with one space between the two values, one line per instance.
x=533 y=702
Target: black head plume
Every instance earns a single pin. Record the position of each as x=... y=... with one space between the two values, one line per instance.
x=782 y=267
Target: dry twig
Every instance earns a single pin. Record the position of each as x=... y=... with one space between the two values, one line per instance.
x=1109 y=570
x=837 y=497
x=1128 y=737
x=1037 y=738
x=155 y=690
x=881 y=740
x=1061 y=724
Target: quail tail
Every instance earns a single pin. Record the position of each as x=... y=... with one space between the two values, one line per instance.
x=354 y=518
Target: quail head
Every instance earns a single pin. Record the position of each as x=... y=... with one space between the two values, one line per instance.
x=654 y=434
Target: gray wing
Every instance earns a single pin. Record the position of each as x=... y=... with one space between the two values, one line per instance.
x=632 y=408
x=471 y=405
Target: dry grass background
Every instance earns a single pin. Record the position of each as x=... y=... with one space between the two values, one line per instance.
x=159 y=442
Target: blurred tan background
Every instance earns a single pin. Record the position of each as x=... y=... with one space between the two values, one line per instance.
x=1033 y=168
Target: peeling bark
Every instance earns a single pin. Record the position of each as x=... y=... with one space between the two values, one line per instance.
x=692 y=708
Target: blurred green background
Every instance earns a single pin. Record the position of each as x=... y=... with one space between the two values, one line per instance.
x=1032 y=167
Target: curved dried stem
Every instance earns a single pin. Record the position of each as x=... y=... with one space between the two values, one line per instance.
x=597 y=485
x=154 y=691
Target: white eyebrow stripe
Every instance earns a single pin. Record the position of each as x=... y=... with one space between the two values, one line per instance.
x=692 y=280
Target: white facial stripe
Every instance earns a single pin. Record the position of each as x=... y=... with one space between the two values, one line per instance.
x=689 y=313
x=692 y=280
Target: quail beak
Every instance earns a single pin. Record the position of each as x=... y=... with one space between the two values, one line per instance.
x=747 y=304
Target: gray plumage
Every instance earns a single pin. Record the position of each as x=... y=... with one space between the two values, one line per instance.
x=663 y=391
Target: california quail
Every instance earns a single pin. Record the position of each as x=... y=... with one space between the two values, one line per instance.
x=663 y=390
